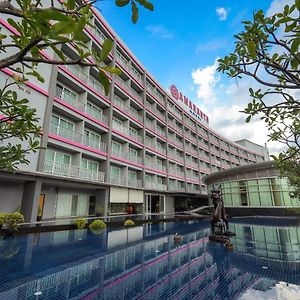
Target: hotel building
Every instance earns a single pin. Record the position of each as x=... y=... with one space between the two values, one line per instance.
x=141 y=149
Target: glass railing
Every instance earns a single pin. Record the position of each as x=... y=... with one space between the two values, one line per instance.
x=96 y=85
x=97 y=115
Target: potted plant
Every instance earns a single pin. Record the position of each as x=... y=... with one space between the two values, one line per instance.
x=97 y=226
x=129 y=223
x=11 y=222
x=80 y=223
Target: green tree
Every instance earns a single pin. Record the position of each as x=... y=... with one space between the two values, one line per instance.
x=268 y=51
x=40 y=29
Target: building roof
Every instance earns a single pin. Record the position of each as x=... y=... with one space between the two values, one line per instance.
x=238 y=170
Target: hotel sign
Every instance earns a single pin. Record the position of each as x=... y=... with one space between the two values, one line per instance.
x=191 y=107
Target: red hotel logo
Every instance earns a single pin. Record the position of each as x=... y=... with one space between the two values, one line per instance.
x=194 y=110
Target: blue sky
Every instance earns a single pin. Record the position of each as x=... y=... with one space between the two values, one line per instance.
x=179 y=43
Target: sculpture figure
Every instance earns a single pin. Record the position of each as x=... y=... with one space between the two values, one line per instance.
x=219 y=219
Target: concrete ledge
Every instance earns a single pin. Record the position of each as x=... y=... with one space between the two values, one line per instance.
x=50 y=228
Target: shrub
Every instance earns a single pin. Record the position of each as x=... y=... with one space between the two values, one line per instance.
x=129 y=223
x=11 y=220
x=80 y=223
x=97 y=225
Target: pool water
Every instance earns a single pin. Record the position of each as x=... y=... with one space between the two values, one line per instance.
x=145 y=262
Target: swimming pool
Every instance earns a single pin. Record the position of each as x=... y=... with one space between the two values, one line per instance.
x=143 y=262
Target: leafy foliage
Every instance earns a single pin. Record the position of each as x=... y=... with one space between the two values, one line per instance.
x=37 y=30
x=80 y=223
x=134 y=7
x=12 y=220
x=97 y=225
x=268 y=51
x=129 y=223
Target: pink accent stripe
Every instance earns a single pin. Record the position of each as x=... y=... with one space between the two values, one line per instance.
x=126 y=161
x=179 y=177
x=174 y=159
x=193 y=180
x=28 y=83
x=126 y=137
x=155 y=170
x=78 y=145
x=192 y=167
x=157 y=152
x=79 y=112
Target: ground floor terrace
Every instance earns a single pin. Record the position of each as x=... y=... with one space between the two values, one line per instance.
x=43 y=197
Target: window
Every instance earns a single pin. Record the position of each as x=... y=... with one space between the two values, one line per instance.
x=115 y=171
x=132 y=175
x=92 y=139
x=61 y=126
x=133 y=152
x=89 y=165
x=116 y=147
x=58 y=157
x=94 y=110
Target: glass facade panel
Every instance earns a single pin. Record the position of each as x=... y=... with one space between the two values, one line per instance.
x=266 y=196
x=254 y=197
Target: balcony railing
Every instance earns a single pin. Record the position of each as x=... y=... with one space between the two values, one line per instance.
x=66 y=170
x=156 y=186
x=135 y=136
x=65 y=132
x=75 y=70
x=122 y=83
x=131 y=111
x=119 y=153
x=97 y=115
x=59 y=93
x=132 y=182
x=156 y=166
x=94 y=144
x=96 y=85
x=72 y=100
x=118 y=180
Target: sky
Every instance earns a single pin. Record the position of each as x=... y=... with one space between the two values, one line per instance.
x=179 y=43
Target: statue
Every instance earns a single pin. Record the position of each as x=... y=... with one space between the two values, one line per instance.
x=219 y=222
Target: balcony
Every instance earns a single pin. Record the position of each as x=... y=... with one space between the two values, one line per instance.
x=156 y=186
x=119 y=180
x=119 y=153
x=96 y=85
x=120 y=128
x=100 y=36
x=174 y=111
x=65 y=132
x=156 y=166
x=123 y=61
x=137 y=183
x=73 y=101
x=122 y=83
x=68 y=98
x=135 y=159
x=96 y=114
x=156 y=111
x=175 y=188
x=94 y=144
x=55 y=168
x=128 y=109
x=135 y=136
x=76 y=70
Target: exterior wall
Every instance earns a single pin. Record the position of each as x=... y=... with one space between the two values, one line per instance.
x=11 y=196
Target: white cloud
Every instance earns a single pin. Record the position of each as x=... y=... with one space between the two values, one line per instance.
x=278 y=5
x=222 y=13
x=160 y=31
x=206 y=79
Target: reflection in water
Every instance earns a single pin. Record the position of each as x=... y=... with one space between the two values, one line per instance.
x=78 y=265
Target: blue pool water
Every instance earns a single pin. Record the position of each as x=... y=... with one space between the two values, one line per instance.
x=143 y=262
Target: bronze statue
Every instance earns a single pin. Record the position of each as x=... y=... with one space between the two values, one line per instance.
x=219 y=219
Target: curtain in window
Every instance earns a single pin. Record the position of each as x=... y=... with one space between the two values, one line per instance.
x=82 y=205
x=64 y=205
